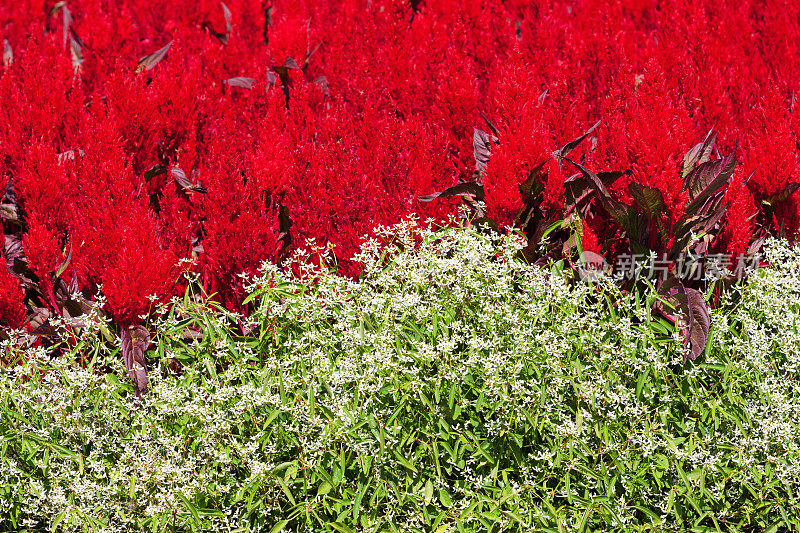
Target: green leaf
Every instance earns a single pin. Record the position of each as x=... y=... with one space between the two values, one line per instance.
x=191 y=508
x=286 y=490
x=404 y=462
x=341 y=527
x=324 y=488
x=278 y=526
x=428 y=492
x=445 y=498
x=59 y=518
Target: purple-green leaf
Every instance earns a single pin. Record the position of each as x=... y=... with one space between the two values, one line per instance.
x=65 y=263
x=696 y=333
x=570 y=146
x=135 y=341
x=322 y=83
x=239 y=81
x=624 y=215
x=221 y=37
x=76 y=51
x=284 y=226
x=8 y=53
x=649 y=199
x=184 y=182
x=482 y=148
x=699 y=154
x=707 y=178
x=533 y=185
x=691 y=315
x=704 y=220
x=151 y=60
x=13 y=249
x=267 y=22
x=154 y=171
x=227 y=14
x=579 y=191
x=466 y=188
x=781 y=196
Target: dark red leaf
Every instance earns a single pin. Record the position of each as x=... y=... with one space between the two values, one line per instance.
x=707 y=178
x=570 y=146
x=482 y=148
x=151 y=60
x=488 y=122
x=244 y=83
x=467 y=188
x=700 y=153
x=135 y=342
x=8 y=53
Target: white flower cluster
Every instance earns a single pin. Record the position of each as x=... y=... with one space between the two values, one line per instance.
x=450 y=374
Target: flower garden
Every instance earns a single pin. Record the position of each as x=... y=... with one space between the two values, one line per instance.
x=399 y=266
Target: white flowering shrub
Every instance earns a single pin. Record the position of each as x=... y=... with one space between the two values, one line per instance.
x=453 y=388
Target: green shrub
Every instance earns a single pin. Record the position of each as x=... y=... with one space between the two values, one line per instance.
x=451 y=389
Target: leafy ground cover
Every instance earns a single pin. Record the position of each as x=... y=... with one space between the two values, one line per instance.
x=163 y=167
x=454 y=388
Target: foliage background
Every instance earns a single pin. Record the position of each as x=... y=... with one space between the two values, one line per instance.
x=454 y=389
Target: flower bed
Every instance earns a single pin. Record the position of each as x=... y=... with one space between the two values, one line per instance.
x=164 y=168
x=453 y=389
x=209 y=136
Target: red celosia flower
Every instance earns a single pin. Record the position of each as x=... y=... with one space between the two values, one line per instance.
x=589 y=241
x=12 y=299
x=380 y=111
x=554 y=188
x=648 y=130
x=42 y=252
x=739 y=225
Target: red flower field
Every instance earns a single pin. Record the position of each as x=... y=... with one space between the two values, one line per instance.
x=139 y=138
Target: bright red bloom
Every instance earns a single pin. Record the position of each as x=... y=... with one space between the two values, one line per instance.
x=12 y=300
x=379 y=110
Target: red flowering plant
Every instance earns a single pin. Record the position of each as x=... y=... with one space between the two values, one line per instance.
x=668 y=208
x=135 y=137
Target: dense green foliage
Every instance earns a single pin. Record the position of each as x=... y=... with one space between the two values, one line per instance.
x=451 y=389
